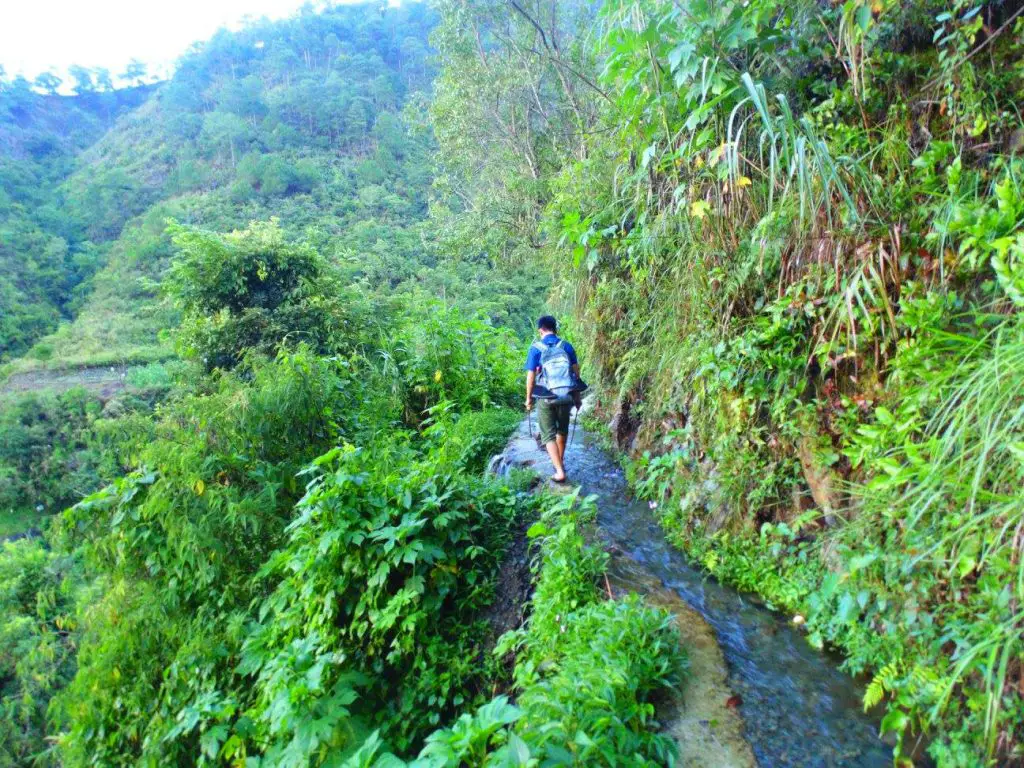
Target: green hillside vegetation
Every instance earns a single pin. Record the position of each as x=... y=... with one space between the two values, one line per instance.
x=285 y=508
x=787 y=238
x=300 y=531
x=300 y=120
x=791 y=236
x=45 y=254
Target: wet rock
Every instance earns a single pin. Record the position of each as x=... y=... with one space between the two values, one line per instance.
x=708 y=730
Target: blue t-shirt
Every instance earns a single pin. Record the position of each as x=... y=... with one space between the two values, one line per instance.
x=533 y=356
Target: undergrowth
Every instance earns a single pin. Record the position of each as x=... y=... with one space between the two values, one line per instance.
x=790 y=237
x=588 y=674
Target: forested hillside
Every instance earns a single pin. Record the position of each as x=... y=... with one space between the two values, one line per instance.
x=790 y=234
x=44 y=250
x=287 y=553
x=786 y=239
x=300 y=121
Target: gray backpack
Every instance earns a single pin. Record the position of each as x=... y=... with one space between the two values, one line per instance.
x=555 y=369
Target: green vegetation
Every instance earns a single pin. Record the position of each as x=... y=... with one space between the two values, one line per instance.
x=789 y=239
x=302 y=120
x=38 y=593
x=238 y=577
x=790 y=235
x=287 y=549
x=58 y=448
x=587 y=670
x=45 y=257
x=298 y=534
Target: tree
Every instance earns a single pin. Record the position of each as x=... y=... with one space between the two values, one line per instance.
x=83 y=79
x=509 y=106
x=225 y=128
x=358 y=118
x=251 y=291
x=134 y=73
x=103 y=79
x=49 y=82
x=244 y=98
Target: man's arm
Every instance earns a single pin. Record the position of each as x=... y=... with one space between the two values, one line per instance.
x=531 y=378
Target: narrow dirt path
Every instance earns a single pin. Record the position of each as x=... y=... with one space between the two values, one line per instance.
x=105 y=380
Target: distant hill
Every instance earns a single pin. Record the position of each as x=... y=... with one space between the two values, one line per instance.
x=44 y=253
x=298 y=119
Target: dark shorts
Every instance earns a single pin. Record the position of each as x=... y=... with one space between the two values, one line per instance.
x=553 y=418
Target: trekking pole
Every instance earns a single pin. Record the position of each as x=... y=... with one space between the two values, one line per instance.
x=575 y=419
x=529 y=420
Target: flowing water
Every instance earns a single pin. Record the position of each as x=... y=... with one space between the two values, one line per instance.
x=798 y=707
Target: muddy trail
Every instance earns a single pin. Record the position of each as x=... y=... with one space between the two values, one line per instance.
x=757 y=692
x=104 y=380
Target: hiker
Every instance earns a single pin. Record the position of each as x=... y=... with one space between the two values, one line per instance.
x=553 y=380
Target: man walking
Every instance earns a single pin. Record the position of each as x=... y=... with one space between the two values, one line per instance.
x=552 y=373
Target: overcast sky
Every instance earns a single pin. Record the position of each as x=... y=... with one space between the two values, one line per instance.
x=41 y=35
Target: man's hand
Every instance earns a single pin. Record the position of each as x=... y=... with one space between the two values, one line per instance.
x=529 y=403
x=577 y=400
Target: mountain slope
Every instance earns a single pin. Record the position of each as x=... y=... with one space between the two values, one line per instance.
x=298 y=120
x=44 y=255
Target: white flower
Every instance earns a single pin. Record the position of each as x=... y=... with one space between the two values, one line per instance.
x=798 y=620
x=563 y=629
x=653 y=504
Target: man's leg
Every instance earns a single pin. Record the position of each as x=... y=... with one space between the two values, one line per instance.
x=547 y=417
x=556 y=458
x=562 y=436
x=560 y=441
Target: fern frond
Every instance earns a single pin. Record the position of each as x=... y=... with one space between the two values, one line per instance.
x=882 y=683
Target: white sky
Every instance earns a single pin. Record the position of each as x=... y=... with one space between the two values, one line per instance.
x=49 y=35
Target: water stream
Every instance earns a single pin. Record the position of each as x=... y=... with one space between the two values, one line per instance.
x=798 y=707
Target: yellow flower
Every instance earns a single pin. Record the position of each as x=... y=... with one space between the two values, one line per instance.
x=699 y=208
x=437 y=375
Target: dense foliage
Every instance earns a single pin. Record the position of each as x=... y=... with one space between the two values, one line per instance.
x=299 y=523
x=304 y=120
x=44 y=253
x=587 y=671
x=251 y=291
x=790 y=234
x=61 y=446
x=38 y=591
x=223 y=628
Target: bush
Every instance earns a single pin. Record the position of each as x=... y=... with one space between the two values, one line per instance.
x=406 y=551
x=37 y=655
x=250 y=291
x=588 y=671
